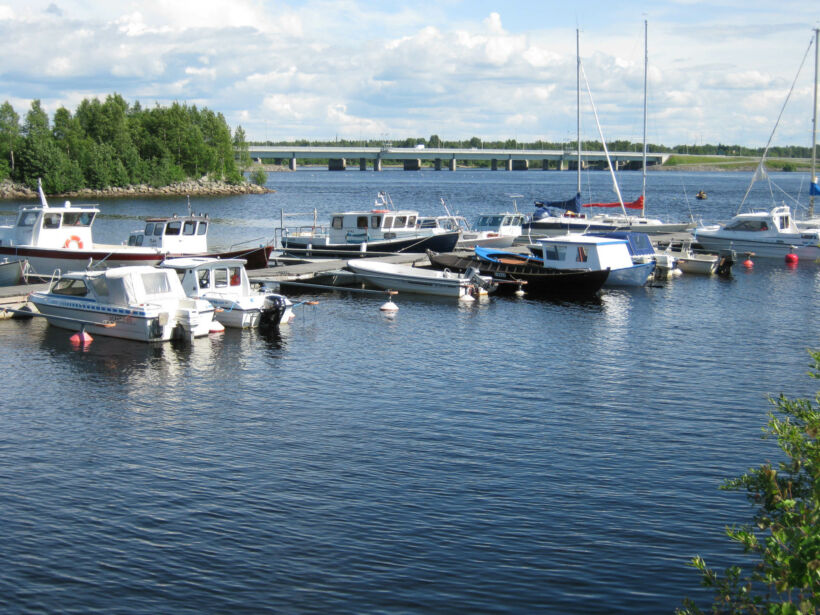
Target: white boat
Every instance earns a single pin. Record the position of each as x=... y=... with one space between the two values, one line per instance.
x=60 y=238
x=146 y=304
x=12 y=271
x=489 y=230
x=224 y=283
x=579 y=251
x=699 y=263
x=404 y=278
x=381 y=230
x=560 y=217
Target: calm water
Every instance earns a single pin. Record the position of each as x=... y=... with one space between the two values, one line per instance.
x=511 y=456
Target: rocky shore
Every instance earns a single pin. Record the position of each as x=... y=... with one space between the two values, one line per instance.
x=199 y=187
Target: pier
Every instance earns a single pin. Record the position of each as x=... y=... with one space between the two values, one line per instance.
x=412 y=159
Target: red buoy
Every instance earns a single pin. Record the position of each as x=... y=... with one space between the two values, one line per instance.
x=791 y=258
x=81 y=338
x=748 y=263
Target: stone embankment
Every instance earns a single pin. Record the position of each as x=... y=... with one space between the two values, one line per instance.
x=199 y=187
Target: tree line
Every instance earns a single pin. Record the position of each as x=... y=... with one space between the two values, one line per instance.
x=114 y=144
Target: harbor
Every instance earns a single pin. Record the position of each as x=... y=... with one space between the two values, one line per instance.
x=450 y=456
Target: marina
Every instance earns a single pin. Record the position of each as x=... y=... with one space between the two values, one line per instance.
x=511 y=454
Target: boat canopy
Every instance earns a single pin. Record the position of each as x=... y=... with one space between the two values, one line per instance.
x=573 y=205
x=135 y=285
x=639 y=244
x=636 y=204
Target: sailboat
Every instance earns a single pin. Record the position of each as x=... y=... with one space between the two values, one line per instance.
x=560 y=217
x=770 y=234
x=811 y=220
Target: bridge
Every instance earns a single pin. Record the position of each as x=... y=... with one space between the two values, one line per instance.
x=411 y=157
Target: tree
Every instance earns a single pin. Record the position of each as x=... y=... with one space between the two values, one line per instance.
x=785 y=536
x=9 y=133
x=241 y=147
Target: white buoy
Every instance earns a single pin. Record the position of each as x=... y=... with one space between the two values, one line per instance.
x=466 y=298
x=519 y=292
x=389 y=306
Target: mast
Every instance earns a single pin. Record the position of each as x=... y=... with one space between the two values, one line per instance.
x=814 y=123
x=578 y=100
x=645 y=65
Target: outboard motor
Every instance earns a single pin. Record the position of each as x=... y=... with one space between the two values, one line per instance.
x=726 y=258
x=273 y=310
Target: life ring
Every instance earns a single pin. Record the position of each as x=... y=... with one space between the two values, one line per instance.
x=75 y=240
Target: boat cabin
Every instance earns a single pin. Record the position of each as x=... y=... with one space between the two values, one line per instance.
x=120 y=286
x=505 y=224
x=200 y=275
x=778 y=220
x=174 y=234
x=51 y=227
x=377 y=224
x=442 y=224
x=576 y=251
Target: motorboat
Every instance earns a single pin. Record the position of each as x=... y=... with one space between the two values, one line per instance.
x=490 y=230
x=142 y=303
x=766 y=234
x=381 y=230
x=54 y=238
x=521 y=272
x=695 y=262
x=580 y=251
x=225 y=284
x=404 y=278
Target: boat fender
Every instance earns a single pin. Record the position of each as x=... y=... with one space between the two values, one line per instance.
x=78 y=243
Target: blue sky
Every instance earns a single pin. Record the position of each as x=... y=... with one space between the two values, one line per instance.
x=320 y=69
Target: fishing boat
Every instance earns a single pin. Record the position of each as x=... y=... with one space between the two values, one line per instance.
x=142 y=303
x=560 y=217
x=225 y=284
x=381 y=230
x=526 y=273
x=404 y=278
x=60 y=238
x=579 y=251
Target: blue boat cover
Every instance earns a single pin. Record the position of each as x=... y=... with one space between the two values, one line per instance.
x=542 y=207
x=814 y=190
x=492 y=255
x=639 y=243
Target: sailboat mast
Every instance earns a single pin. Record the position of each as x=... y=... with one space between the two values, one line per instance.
x=814 y=122
x=578 y=99
x=645 y=65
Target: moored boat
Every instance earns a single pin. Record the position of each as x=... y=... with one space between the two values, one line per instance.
x=404 y=278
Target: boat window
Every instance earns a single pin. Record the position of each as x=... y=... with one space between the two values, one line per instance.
x=159 y=228
x=747 y=225
x=27 y=218
x=100 y=285
x=137 y=240
x=411 y=221
x=583 y=255
x=173 y=227
x=375 y=221
x=236 y=276
x=555 y=253
x=149 y=229
x=400 y=221
x=71 y=286
x=427 y=223
x=361 y=222
x=78 y=218
x=220 y=278
x=189 y=227
x=202 y=228
x=337 y=222
x=51 y=221
x=388 y=222
x=784 y=222
x=204 y=278
x=156 y=283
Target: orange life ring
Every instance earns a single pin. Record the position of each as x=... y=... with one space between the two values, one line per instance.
x=75 y=240
x=379 y=211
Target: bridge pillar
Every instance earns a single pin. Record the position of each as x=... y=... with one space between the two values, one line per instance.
x=437 y=164
x=508 y=165
x=336 y=164
x=292 y=165
x=414 y=164
x=494 y=164
x=453 y=163
x=562 y=165
x=377 y=164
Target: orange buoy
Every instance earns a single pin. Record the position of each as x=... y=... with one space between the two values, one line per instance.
x=791 y=258
x=81 y=338
x=748 y=263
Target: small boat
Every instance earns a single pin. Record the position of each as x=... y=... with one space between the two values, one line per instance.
x=404 y=278
x=224 y=283
x=519 y=270
x=12 y=272
x=490 y=230
x=381 y=230
x=701 y=195
x=767 y=234
x=60 y=238
x=701 y=263
x=146 y=304
x=578 y=251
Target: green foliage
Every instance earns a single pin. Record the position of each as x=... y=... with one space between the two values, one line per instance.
x=259 y=176
x=784 y=537
x=110 y=143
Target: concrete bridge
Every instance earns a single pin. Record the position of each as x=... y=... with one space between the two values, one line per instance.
x=411 y=158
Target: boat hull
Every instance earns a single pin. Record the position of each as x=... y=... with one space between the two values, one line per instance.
x=314 y=246
x=407 y=279
x=561 y=226
x=250 y=312
x=805 y=249
x=11 y=272
x=580 y=284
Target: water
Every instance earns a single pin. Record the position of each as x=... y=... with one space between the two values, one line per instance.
x=510 y=456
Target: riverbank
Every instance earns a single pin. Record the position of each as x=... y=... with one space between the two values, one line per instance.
x=200 y=187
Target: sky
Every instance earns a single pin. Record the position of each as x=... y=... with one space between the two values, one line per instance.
x=718 y=71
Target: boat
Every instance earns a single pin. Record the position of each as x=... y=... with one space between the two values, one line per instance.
x=813 y=221
x=699 y=263
x=560 y=217
x=701 y=195
x=60 y=238
x=497 y=230
x=580 y=251
x=766 y=234
x=12 y=272
x=404 y=278
x=381 y=230
x=643 y=251
x=225 y=284
x=522 y=271
x=138 y=302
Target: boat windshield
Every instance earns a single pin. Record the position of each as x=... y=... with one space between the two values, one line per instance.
x=747 y=225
